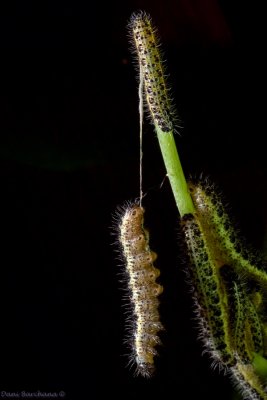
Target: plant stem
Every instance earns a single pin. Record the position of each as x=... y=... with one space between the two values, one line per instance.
x=175 y=172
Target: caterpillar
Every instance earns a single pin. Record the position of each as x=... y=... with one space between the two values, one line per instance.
x=213 y=215
x=228 y=289
x=141 y=276
x=243 y=320
x=152 y=72
x=212 y=304
x=247 y=382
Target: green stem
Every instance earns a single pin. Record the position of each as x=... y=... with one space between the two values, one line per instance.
x=175 y=172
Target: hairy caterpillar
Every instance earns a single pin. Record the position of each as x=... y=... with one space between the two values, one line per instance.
x=247 y=382
x=212 y=304
x=228 y=303
x=243 y=318
x=146 y=46
x=142 y=287
x=213 y=215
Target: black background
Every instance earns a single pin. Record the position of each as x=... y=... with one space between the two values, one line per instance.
x=69 y=156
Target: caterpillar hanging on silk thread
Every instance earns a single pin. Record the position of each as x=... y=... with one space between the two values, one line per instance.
x=228 y=286
x=142 y=288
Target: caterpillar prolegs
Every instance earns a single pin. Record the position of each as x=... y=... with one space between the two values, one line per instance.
x=228 y=288
x=142 y=287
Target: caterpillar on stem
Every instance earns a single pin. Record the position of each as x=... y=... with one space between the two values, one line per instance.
x=228 y=306
x=214 y=216
x=155 y=91
x=146 y=46
x=211 y=300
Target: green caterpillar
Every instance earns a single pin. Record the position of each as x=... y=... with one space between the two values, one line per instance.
x=230 y=306
x=216 y=219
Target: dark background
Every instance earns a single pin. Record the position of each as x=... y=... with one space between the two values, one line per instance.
x=69 y=156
